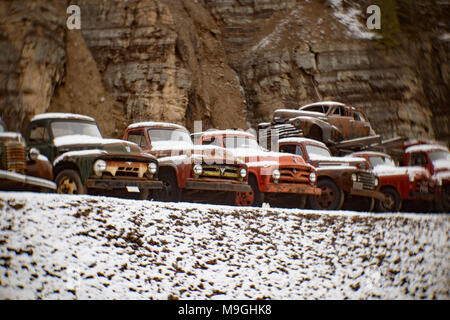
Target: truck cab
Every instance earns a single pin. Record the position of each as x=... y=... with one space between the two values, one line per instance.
x=342 y=179
x=188 y=171
x=279 y=178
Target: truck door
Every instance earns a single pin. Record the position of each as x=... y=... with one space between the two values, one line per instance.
x=38 y=137
x=359 y=126
x=138 y=137
x=420 y=159
x=340 y=118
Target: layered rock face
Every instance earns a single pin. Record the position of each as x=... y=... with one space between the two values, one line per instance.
x=32 y=57
x=321 y=50
x=229 y=63
x=163 y=61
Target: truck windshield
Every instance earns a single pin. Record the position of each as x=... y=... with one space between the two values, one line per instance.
x=439 y=155
x=68 y=128
x=168 y=135
x=240 y=142
x=316 y=150
x=316 y=108
x=376 y=161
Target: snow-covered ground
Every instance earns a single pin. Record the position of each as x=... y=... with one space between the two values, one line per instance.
x=67 y=247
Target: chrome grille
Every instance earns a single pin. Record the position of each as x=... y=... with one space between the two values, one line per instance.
x=16 y=157
x=367 y=180
x=220 y=171
x=293 y=175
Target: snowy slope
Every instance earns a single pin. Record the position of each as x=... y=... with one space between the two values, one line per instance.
x=66 y=247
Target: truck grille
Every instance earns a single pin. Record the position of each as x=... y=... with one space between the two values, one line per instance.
x=14 y=157
x=126 y=169
x=220 y=171
x=293 y=175
x=367 y=180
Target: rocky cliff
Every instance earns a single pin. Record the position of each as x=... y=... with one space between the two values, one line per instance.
x=229 y=63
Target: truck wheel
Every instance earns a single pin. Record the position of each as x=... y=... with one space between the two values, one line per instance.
x=332 y=197
x=170 y=191
x=69 y=182
x=252 y=198
x=391 y=202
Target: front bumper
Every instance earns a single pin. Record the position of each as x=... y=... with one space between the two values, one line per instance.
x=123 y=183
x=291 y=188
x=367 y=193
x=214 y=185
x=414 y=195
x=17 y=178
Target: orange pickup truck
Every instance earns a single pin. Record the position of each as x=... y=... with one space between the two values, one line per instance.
x=189 y=172
x=278 y=178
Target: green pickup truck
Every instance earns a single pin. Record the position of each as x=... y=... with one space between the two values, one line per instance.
x=84 y=162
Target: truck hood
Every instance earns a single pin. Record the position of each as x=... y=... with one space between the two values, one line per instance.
x=84 y=142
x=322 y=161
x=441 y=165
x=181 y=151
x=387 y=170
x=290 y=113
x=252 y=156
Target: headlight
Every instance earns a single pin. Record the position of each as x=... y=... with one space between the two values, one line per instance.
x=152 y=167
x=376 y=182
x=99 y=167
x=243 y=172
x=33 y=154
x=198 y=169
x=312 y=177
x=354 y=177
x=411 y=177
x=276 y=174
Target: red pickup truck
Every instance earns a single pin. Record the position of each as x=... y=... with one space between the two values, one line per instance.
x=399 y=184
x=280 y=179
x=187 y=171
x=435 y=158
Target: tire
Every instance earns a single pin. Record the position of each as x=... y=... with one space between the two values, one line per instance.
x=170 y=192
x=69 y=182
x=250 y=199
x=332 y=197
x=392 y=202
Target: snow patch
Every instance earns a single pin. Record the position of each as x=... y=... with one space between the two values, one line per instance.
x=349 y=18
x=85 y=247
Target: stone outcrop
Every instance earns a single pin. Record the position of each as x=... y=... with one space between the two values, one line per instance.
x=309 y=51
x=163 y=61
x=32 y=57
x=229 y=63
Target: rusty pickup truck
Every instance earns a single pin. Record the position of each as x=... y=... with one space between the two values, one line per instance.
x=278 y=178
x=189 y=172
x=345 y=181
x=84 y=162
